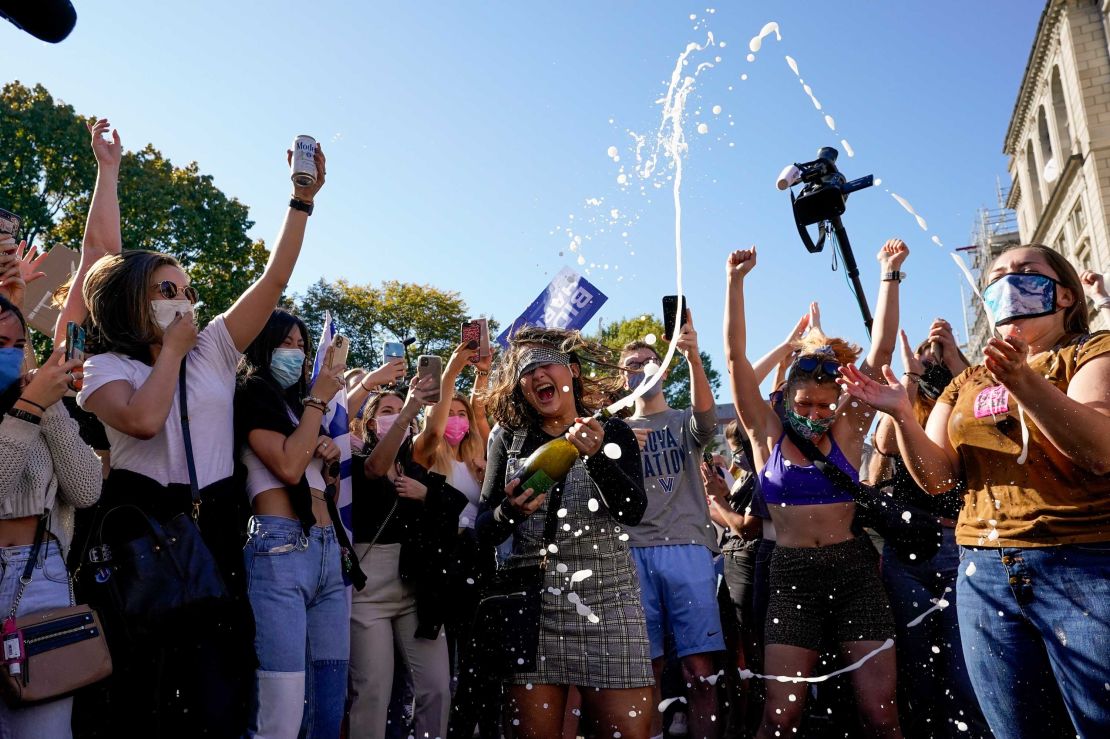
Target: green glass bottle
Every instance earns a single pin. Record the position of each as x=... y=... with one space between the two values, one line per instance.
x=550 y=463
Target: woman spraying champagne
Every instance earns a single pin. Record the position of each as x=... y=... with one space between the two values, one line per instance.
x=591 y=598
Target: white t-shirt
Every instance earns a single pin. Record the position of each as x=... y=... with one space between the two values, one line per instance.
x=210 y=383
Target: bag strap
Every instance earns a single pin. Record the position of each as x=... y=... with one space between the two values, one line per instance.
x=838 y=477
x=194 y=488
x=358 y=577
x=512 y=464
x=29 y=568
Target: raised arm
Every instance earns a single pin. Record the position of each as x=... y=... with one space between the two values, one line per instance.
x=760 y=422
x=701 y=394
x=245 y=319
x=478 y=397
x=891 y=257
x=102 y=227
x=427 y=441
x=385 y=453
x=777 y=357
x=927 y=453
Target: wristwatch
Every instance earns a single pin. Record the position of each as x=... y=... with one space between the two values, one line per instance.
x=894 y=276
x=300 y=205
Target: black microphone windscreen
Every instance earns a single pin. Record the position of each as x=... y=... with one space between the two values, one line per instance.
x=46 y=20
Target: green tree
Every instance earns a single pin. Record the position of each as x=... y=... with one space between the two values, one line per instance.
x=677 y=388
x=48 y=179
x=394 y=311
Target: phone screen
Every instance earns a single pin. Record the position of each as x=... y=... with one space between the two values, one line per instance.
x=75 y=348
x=670 y=306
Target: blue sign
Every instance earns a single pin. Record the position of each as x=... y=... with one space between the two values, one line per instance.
x=570 y=301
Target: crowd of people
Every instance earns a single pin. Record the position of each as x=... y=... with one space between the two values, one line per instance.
x=629 y=584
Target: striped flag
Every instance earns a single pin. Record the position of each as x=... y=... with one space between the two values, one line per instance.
x=335 y=425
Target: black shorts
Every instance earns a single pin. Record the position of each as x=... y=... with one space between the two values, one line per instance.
x=822 y=594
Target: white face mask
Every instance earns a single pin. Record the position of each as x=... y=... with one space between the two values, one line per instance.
x=164 y=311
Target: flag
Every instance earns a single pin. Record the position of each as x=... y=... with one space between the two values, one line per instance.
x=569 y=301
x=335 y=426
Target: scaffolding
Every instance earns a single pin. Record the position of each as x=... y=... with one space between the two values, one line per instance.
x=994 y=230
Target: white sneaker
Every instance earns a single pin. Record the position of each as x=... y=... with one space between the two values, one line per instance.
x=678 y=725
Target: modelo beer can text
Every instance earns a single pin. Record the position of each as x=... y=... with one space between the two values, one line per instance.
x=303 y=166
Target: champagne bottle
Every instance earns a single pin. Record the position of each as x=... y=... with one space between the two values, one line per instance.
x=550 y=463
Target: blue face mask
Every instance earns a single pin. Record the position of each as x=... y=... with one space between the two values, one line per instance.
x=1022 y=295
x=11 y=366
x=287 y=366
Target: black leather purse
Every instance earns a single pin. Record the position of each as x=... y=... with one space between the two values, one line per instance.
x=168 y=567
x=507 y=620
x=908 y=529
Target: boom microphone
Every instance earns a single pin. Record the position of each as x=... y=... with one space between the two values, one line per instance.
x=46 y=20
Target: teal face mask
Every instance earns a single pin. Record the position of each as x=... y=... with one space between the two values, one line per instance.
x=808 y=428
x=287 y=366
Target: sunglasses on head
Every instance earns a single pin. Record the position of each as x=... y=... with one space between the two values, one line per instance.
x=812 y=364
x=169 y=289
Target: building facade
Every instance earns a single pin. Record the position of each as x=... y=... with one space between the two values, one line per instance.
x=1058 y=140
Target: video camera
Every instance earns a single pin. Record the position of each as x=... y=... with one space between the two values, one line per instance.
x=824 y=193
x=822 y=200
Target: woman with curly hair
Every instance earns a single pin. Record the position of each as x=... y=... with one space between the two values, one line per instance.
x=824 y=575
x=591 y=632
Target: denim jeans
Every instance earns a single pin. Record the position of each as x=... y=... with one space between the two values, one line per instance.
x=49 y=588
x=1035 y=624
x=934 y=691
x=295 y=584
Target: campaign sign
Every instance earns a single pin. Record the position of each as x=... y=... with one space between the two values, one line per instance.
x=569 y=302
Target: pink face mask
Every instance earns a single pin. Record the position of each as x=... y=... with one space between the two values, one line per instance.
x=457 y=428
x=385 y=422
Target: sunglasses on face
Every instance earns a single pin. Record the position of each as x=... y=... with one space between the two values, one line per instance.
x=168 y=289
x=811 y=364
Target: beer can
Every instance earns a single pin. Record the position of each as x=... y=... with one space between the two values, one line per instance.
x=303 y=167
x=9 y=223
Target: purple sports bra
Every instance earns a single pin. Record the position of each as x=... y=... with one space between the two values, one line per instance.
x=786 y=483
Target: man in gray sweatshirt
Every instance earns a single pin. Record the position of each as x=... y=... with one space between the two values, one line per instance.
x=674 y=545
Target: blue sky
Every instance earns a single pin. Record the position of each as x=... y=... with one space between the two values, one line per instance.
x=464 y=138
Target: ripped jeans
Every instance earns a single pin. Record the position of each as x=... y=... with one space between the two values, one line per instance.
x=295 y=585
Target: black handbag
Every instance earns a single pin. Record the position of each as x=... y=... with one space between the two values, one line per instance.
x=507 y=621
x=168 y=567
x=913 y=533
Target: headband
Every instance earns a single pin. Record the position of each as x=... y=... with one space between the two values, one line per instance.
x=538 y=355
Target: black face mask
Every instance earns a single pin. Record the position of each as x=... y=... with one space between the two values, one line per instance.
x=933 y=380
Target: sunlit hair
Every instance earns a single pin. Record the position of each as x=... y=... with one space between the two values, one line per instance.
x=469 y=449
x=361 y=426
x=117 y=291
x=818 y=346
x=505 y=399
x=1076 y=319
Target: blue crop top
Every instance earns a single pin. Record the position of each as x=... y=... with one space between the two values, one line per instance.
x=786 y=483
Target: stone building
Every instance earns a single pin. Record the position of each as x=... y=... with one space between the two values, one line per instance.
x=1058 y=139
